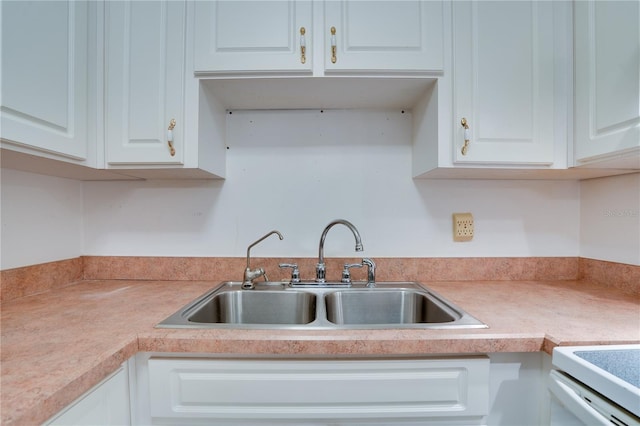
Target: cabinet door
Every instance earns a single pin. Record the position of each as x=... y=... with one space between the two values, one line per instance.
x=44 y=76
x=503 y=83
x=105 y=404
x=319 y=391
x=241 y=36
x=607 y=83
x=144 y=81
x=404 y=36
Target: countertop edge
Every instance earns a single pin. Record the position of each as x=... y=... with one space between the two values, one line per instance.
x=77 y=386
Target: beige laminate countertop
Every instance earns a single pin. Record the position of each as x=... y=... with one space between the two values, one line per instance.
x=57 y=345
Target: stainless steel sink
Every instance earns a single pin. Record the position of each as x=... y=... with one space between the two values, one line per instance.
x=387 y=306
x=278 y=305
x=268 y=305
x=256 y=307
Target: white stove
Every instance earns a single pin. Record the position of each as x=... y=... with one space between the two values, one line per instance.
x=598 y=384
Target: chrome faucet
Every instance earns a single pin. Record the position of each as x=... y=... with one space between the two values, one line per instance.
x=320 y=267
x=250 y=275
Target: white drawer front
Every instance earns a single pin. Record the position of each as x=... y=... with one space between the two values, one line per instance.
x=292 y=389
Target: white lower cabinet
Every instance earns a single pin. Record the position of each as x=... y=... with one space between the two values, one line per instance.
x=408 y=391
x=501 y=389
x=105 y=404
x=518 y=392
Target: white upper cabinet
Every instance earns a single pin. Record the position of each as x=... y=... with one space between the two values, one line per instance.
x=395 y=36
x=607 y=83
x=237 y=36
x=507 y=77
x=144 y=82
x=44 y=78
x=284 y=36
x=503 y=82
x=157 y=122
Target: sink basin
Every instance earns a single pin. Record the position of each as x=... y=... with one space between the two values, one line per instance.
x=259 y=307
x=309 y=306
x=228 y=306
x=386 y=307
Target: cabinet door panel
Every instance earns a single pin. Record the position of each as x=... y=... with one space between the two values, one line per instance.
x=504 y=81
x=335 y=391
x=252 y=36
x=384 y=35
x=607 y=98
x=44 y=76
x=144 y=86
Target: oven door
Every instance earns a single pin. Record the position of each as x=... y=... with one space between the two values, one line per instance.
x=577 y=404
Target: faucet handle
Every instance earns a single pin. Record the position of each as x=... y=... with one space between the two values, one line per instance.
x=371 y=271
x=346 y=275
x=250 y=275
x=295 y=272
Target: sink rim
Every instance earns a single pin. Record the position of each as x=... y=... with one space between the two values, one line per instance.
x=178 y=320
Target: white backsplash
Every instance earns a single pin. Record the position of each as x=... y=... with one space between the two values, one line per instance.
x=41 y=219
x=610 y=219
x=295 y=172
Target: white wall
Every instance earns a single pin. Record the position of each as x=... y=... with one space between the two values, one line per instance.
x=610 y=219
x=295 y=171
x=41 y=219
x=297 y=178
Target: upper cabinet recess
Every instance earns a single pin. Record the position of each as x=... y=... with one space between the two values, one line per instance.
x=311 y=38
x=607 y=84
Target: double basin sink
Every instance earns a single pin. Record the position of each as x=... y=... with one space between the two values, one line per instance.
x=277 y=305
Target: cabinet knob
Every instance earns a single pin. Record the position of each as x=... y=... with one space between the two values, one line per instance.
x=334 y=45
x=303 y=46
x=172 y=124
x=467 y=135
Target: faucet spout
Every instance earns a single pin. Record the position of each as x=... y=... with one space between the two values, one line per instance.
x=259 y=241
x=320 y=268
x=250 y=275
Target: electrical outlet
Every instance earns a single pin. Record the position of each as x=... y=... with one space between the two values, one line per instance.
x=462 y=227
